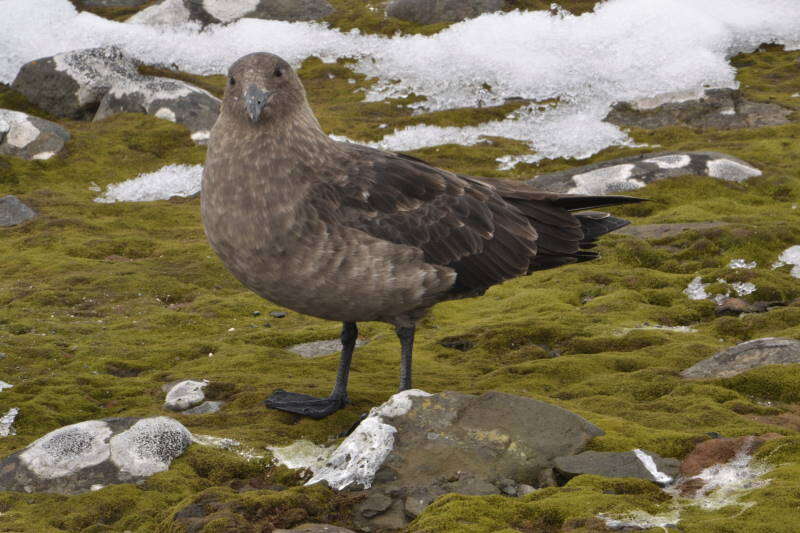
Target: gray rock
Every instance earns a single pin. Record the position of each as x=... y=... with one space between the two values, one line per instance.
x=13 y=211
x=7 y=422
x=204 y=408
x=173 y=100
x=746 y=356
x=72 y=84
x=616 y=464
x=168 y=12
x=630 y=173
x=30 y=137
x=662 y=231
x=454 y=442
x=719 y=109
x=310 y=350
x=433 y=11
x=75 y=458
x=185 y=394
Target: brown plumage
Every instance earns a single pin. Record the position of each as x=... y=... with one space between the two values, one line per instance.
x=350 y=233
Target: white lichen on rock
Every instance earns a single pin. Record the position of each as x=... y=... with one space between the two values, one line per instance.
x=68 y=449
x=606 y=180
x=729 y=170
x=185 y=394
x=7 y=421
x=149 y=446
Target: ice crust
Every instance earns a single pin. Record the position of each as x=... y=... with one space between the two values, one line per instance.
x=790 y=256
x=169 y=181
x=626 y=50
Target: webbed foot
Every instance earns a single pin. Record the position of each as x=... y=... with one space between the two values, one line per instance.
x=305 y=405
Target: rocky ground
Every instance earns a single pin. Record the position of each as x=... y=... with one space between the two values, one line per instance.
x=115 y=314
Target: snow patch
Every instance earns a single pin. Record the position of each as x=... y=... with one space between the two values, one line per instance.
x=7 y=421
x=4 y=385
x=169 y=181
x=696 y=290
x=201 y=136
x=742 y=263
x=166 y=113
x=790 y=256
x=649 y=463
x=729 y=170
x=585 y=62
x=743 y=288
x=360 y=455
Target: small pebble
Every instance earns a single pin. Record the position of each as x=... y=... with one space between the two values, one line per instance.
x=256 y=313
x=277 y=314
x=267 y=325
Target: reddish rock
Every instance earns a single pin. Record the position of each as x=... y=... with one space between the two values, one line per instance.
x=718 y=451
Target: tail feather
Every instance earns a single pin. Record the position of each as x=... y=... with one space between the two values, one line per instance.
x=572 y=202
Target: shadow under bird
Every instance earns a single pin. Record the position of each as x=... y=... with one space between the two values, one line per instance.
x=349 y=233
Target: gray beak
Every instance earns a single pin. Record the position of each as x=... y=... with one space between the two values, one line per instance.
x=254 y=100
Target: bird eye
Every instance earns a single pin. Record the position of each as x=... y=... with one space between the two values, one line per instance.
x=232 y=81
x=278 y=73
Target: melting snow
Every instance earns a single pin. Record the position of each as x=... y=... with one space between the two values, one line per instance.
x=696 y=290
x=790 y=256
x=360 y=455
x=169 y=181
x=649 y=463
x=586 y=62
x=743 y=288
x=4 y=385
x=742 y=263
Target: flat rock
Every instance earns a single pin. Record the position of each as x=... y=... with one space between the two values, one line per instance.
x=662 y=231
x=72 y=84
x=433 y=11
x=417 y=447
x=75 y=458
x=746 y=356
x=29 y=137
x=204 y=408
x=718 y=109
x=170 y=12
x=14 y=212
x=185 y=394
x=630 y=173
x=619 y=464
x=172 y=100
x=310 y=350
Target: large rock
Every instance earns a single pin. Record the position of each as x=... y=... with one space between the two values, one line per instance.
x=89 y=455
x=746 y=356
x=97 y=83
x=29 y=137
x=417 y=447
x=72 y=84
x=637 y=463
x=170 y=12
x=14 y=212
x=630 y=173
x=719 y=109
x=173 y=100
x=432 y=11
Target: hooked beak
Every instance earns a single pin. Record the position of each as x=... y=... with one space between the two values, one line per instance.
x=254 y=100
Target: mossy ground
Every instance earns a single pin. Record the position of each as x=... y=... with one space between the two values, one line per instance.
x=100 y=304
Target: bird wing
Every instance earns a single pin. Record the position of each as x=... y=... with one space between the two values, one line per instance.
x=456 y=221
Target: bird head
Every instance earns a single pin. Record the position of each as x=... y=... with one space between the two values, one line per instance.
x=262 y=87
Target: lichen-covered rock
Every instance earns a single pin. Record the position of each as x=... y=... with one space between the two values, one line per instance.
x=718 y=108
x=14 y=212
x=173 y=100
x=746 y=356
x=637 y=463
x=417 y=447
x=630 y=173
x=76 y=458
x=169 y=12
x=72 y=84
x=30 y=137
x=111 y=3
x=432 y=11
x=185 y=394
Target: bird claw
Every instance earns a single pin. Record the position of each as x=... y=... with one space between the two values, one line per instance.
x=303 y=404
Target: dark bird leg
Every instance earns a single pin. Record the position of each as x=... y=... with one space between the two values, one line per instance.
x=406 y=336
x=303 y=404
